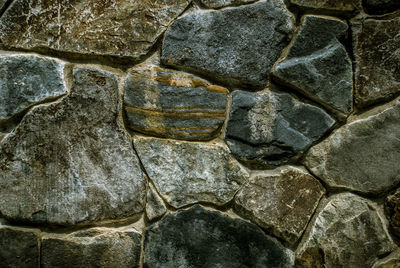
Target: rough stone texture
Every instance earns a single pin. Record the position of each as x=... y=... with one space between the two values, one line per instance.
x=347 y=232
x=19 y=248
x=265 y=201
x=167 y=103
x=26 y=80
x=121 y=28
x=391 y=261
x=380 y=6
x=234 y=46
x=186 y=173
x=97 y=247
x=155 y=207
x=202 y=238
x=224 y=3
x=377 y=56
x=268 y=128
x=362 y=155
x=331 y=6
x=2 y=4
x=70 y=161
x=392 y=209
x=317 y=63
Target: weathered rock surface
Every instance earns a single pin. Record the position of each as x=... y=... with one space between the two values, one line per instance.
x=70 y=161
x=224 y=3
x=202 y=238
x=331 y=6
x=347 y=232
x=97 y=247
x=26 y=80
x=167 y=103
x=317 y=63
x=186 y=173
x=234 y=46
x=377 y=56
x=120 y=28
x=362 y=155
x=268 y=128
x=265 y=200
x=19 y=247
x=155 y=206
x=391 y=261
x=392 y=209
x=379 y=7
x=2 y=4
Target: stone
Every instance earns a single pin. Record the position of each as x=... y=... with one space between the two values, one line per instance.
x=328 y=6
x=185 y=173
x=347 y=232
x=116 y=28
x=378 y=7
x=202 y=238
x=26 y=80
x=155 y=207
x=234 y=46
x=2 y=4
x=391 y=261
x=168 y=103
x=392 y=209
x=363 y=155
x=96 y=247
x=317 y=63
x=377 y=56
x=265 y=201
x=269 y=128
x=70 y=162
x=19 y=247
x=224 y=3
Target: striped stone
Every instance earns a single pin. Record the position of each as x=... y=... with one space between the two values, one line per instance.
x=173 y=104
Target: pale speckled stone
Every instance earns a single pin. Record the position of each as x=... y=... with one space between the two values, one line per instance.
x=265 y=201
x=155 y=207
x=224 y=3
x=186 y=172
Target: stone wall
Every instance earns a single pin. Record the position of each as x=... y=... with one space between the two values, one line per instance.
x=199 y=133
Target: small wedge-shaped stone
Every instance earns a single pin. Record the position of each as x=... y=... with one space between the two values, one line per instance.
x=347 y=232
x=362 y=155
x=204 y=238
x=122 y=28
x=186 y=172
x=235 y=45
x=281 y=201
x=224 y=3
x=26 y=80
x=317 y=63
x=155 y=206
x=97 y=247
x=70 y=162
x=269 y=128
x=377 y=57
x=329 y=6
x=172 y=104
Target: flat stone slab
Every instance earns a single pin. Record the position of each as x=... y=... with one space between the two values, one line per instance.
x=317 y=63
x=202 y=238
x=377 y=56
x=186 y=172
x=172 y=104
x=269 y=128
x=120 y=28
x=224 y=3
x=70 y=162
x=97 y=247
x=329 y=6
x=378 y=7
x=236 y=45
x=265 y=201
x=362 y=155
x=26 y=80
x=347 y=231
x=155 y=207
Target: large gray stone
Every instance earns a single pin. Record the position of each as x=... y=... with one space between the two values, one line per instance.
x=70 y=162
x=155 y=207
x=224 y=3
x=269 y=128
x=201 y=238
x=317 y=63
x=19 y=248
x=347 y=232
x=97 y=247
x=26 y=80
x=343 y=7
x=168 y=103
x=186 y=172
x=234 y=46
x=362 y=155
x=380 y=6
x=122 y=28
x=377 y=56
x=265 y=201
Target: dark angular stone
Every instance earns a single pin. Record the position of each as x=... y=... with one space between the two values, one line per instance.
x=235 y=46
x=317 y=63
x=342 y=7
x=378 y=7
x=224 y=3
x=201 y=238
